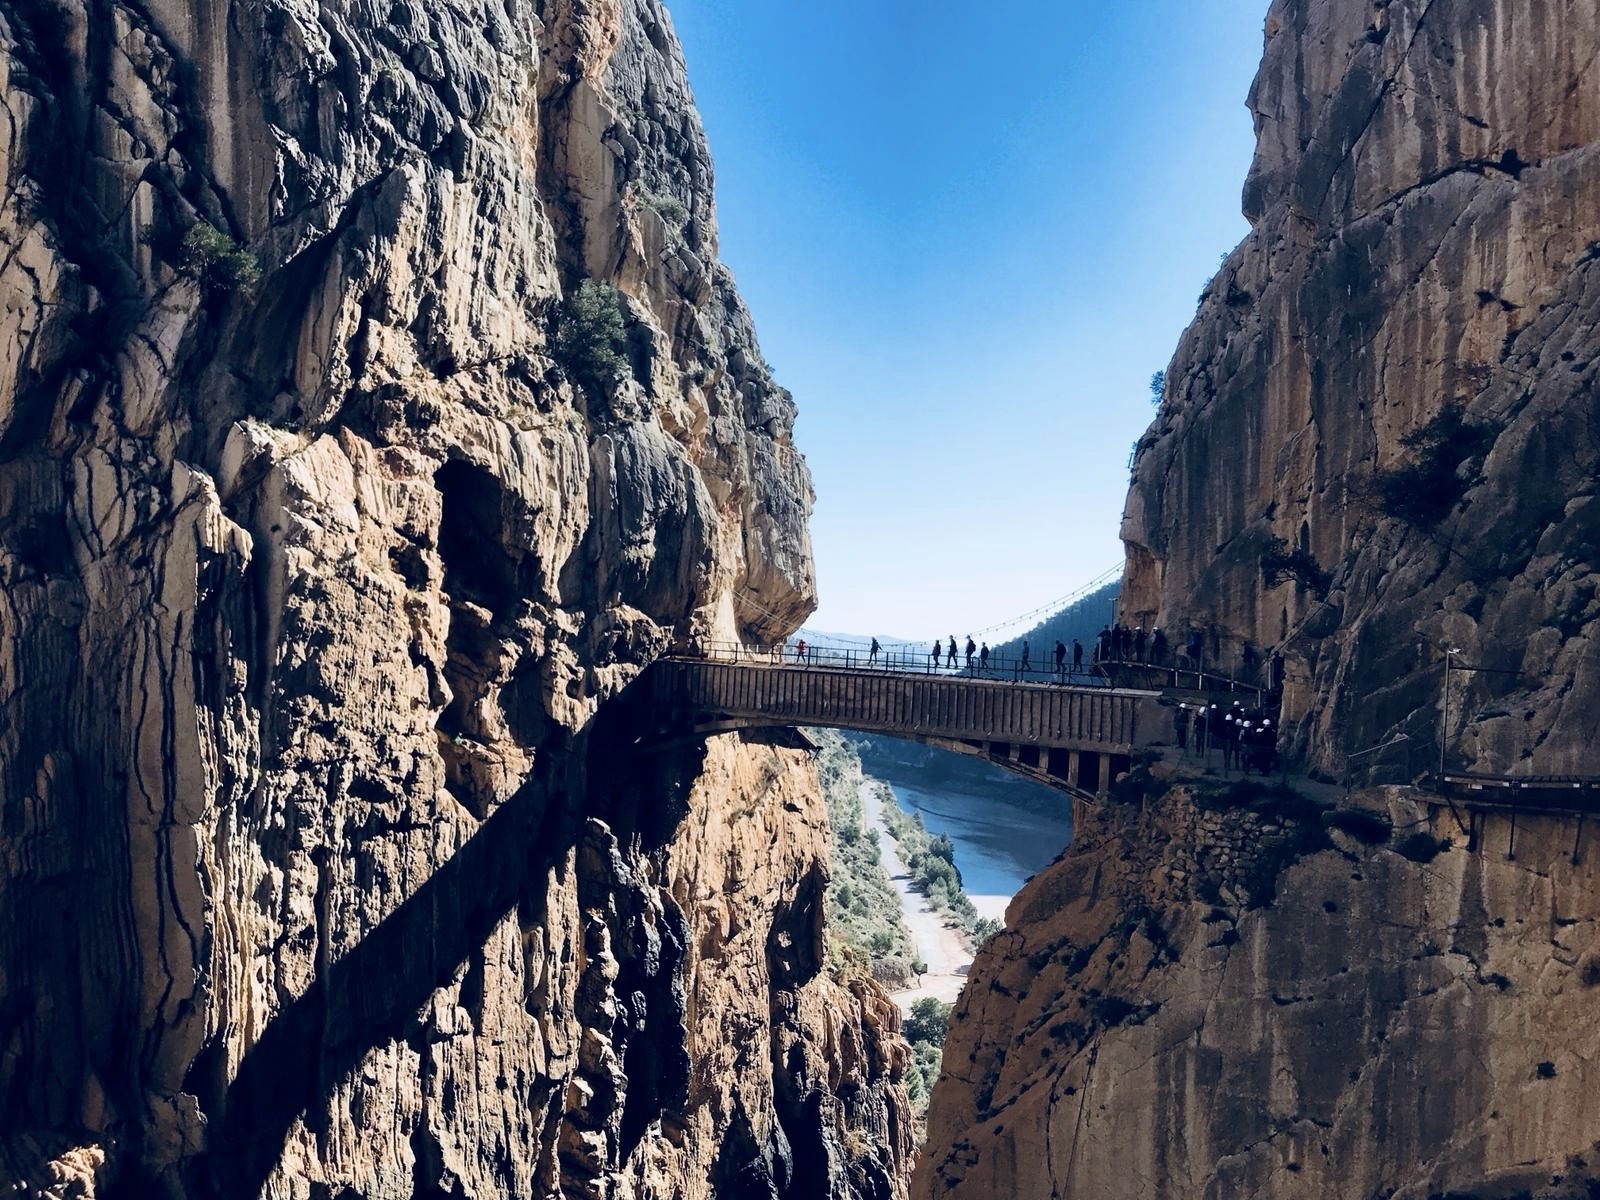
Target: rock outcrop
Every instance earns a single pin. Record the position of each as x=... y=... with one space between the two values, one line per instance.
x=1380 y=439
x=1379 y=442
x=1207 y=999
x=373 y=409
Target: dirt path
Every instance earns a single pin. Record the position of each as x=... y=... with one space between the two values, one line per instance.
x=945 y=950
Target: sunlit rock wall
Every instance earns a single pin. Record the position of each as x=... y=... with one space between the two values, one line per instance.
x=1203 y=1000
x=1426 y=244
x=311 y=882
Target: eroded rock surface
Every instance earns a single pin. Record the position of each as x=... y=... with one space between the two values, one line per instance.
x=1174 y=1012
x=1381 y=435
x=315 y=880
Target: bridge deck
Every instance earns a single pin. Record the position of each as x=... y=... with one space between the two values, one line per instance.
x=927 y=706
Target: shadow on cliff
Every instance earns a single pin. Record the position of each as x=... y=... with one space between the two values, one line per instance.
x=374 y=994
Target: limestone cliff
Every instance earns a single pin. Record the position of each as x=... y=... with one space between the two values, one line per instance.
x=1213 y=996
x=1381 y=436
x=1380 y=440
x=373 y=408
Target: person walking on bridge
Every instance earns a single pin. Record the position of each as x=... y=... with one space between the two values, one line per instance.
x=1061 y=659
x=937 y=651
x=872 y=654
x=972 y=648
x=1158 y=647
x=1024 y=658
x=1103 y=647
x=800 y=651
x=983 y=659
x=952 y=652
x=1138 y=644
x=1077 y=657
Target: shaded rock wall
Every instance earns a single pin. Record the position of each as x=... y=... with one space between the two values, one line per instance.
x=1426 y=241
x=316 y=876
x=1169 y=1014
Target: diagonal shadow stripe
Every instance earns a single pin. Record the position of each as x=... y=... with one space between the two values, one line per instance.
x=373 y=994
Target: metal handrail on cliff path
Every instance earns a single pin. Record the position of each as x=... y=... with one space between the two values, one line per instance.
x=905 y=659
x=898 y=659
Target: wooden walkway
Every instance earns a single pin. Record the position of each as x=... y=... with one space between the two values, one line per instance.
x=1077 y=738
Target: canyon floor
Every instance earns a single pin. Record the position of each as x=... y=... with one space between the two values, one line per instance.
x=945 y=949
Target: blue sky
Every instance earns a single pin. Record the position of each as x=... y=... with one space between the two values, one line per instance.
x=968 y=237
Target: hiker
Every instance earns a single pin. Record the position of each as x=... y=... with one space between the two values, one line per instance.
x=952 y=654
x=1180 y=719
x=937 y=651
x=800 y=651
x=1158 y=647
x=972 y=648
x=872 y=655
x=983 y=658
x=1061 y=658
x=1077 y=657
x=1024 y=656
x=1138 y=644
x=1103 y=647
x=1248 y=655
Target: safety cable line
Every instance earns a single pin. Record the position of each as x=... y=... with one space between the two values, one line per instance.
x=1037 y=615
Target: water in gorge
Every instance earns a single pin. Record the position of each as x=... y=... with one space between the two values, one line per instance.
x=1002 y=834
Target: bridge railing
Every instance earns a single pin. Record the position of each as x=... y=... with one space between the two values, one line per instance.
x=918 y=659
x=897 y=659
x=1553 y=793
x=1180 y=678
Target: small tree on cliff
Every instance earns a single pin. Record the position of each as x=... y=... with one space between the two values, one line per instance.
x=593 y=338
x=929 y=1021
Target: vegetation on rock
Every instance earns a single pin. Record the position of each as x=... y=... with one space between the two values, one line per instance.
x=926 y=1029
x=216 y=260
x=866 y=925
x=593 y=337
x=1424 y=490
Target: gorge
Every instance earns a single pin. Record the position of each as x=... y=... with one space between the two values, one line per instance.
x=375 y=410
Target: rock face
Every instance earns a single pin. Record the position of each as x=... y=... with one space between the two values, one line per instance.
x=1380 y=440
x=1381 y=435
x=1173 y=1013
x=373 y=408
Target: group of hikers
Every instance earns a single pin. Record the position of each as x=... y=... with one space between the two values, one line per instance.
x=977 y=657
x=1246 y=736
x=1118 y=643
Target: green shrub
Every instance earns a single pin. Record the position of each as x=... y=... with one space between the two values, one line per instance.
x=1423 y=491
x=670 y=209
x=929 y=1021
x=216 y=260
x=593 y=337
x=1279 y=563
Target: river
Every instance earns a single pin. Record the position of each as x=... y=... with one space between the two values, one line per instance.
x=998 y=842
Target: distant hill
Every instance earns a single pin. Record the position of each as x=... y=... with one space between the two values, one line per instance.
x=1082 y=620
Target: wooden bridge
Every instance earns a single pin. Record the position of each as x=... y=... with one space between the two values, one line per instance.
x=1078 y=738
